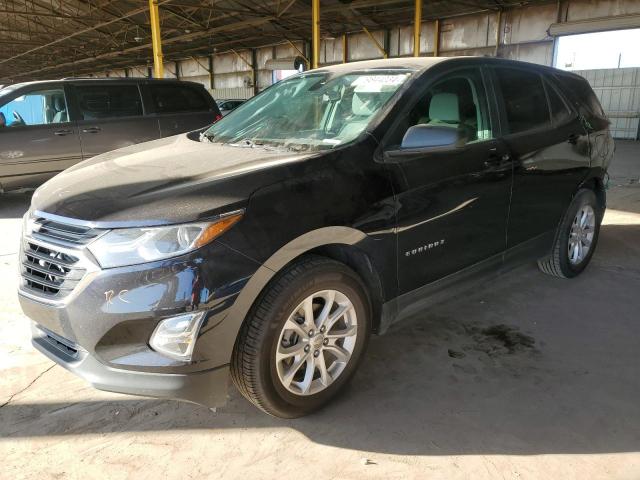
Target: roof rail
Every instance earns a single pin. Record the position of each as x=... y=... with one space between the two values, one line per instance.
x=102 y=78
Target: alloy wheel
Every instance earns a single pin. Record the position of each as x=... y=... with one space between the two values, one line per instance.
x=581 y=234
x=316 y=342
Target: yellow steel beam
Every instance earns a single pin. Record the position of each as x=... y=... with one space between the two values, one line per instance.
x=417 y=26
x=156 y=41
x=436 y=37
x=380 y=47
x=315 y=32
x=345 y=48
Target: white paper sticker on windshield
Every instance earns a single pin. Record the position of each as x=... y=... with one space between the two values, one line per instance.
x=377 y=83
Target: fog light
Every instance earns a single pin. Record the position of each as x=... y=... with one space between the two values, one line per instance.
x=175 y=337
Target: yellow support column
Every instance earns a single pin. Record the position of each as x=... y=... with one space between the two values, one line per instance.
x=156 y=42
x=436 y=37
x=417 y=26
x=315 y=32
x=345 y=48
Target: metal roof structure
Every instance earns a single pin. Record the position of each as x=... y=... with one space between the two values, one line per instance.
x=56 y=38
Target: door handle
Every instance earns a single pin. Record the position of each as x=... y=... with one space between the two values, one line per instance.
x=91 y=130
x=573 y=138
x=496 y=160
x=62 y=133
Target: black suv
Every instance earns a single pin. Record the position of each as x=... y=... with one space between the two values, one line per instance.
x=48 y=126
x=272 y=244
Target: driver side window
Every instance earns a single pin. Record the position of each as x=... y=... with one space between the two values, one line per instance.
x=457 y=102
x=39 y=107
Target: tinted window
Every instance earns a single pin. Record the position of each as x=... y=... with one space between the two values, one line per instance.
x=35 y=108
x=525 y=101
x=582 y=95
x=457 y=101
x=177 y=98
x=107 y=101
x=560 y=113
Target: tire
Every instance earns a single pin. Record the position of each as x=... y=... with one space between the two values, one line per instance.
x=262 y=378
x=559 y=262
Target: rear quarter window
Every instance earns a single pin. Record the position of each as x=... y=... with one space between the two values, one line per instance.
x=178 y=98
x=581 y=95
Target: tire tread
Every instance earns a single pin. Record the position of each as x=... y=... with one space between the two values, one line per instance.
x=246 y=350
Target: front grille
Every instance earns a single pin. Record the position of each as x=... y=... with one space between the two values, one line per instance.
x=62 y=344
x=49 y=272
x=63 y=233
x=51 y=260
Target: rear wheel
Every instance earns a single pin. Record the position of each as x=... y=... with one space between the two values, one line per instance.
x=576 y=237
x=303 y=339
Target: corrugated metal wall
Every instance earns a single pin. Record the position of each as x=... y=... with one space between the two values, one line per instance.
x=522 y=36
x=619 y=92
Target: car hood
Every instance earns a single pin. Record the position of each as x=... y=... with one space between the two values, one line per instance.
x=171 y=180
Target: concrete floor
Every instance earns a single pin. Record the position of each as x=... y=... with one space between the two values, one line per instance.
x=554 y=392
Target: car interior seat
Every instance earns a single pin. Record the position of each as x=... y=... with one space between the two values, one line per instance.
x=60 y=108
x=363 y=106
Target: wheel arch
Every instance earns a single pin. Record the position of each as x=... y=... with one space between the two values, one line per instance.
x=597 y=184
x=337 y=243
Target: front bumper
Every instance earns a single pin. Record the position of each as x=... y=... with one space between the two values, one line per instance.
x=208 y=388
x=101 y=331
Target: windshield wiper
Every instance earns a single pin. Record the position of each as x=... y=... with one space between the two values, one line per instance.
x=245 y=143
x=208 y=136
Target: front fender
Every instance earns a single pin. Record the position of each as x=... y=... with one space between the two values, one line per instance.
x=227 y=330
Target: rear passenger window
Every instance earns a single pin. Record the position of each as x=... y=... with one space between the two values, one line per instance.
x=177 y=98
x=525 y=101
x=108 y=101
x=560 y=113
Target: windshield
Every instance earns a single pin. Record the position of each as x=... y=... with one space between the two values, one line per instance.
x=310 y=111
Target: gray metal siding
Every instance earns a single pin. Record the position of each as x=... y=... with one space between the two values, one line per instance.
x=619 y=92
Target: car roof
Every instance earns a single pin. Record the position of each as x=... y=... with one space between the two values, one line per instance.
x=419 y=64
x=103 y=80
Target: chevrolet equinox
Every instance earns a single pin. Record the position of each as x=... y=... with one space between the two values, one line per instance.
x=269 y=246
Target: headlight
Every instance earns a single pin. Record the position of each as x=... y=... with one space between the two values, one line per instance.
x=131 y=246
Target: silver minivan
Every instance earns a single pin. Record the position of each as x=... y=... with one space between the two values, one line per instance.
x=47 y=126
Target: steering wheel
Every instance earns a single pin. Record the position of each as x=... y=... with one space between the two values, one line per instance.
x=17 y=119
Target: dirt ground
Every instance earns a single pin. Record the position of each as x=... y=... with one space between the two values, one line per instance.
x=525 y=377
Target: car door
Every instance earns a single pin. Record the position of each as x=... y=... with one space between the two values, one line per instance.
x=549 y=147
x=452 y=200
x=38 y=139
x=181 y=107
x=111 y=116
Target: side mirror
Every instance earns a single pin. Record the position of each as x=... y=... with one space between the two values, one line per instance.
x=424 y=136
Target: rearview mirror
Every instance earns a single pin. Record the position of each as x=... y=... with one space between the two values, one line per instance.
x=423 y=136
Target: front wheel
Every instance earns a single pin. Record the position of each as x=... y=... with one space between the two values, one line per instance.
x=576 y=237
x=303 y=339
